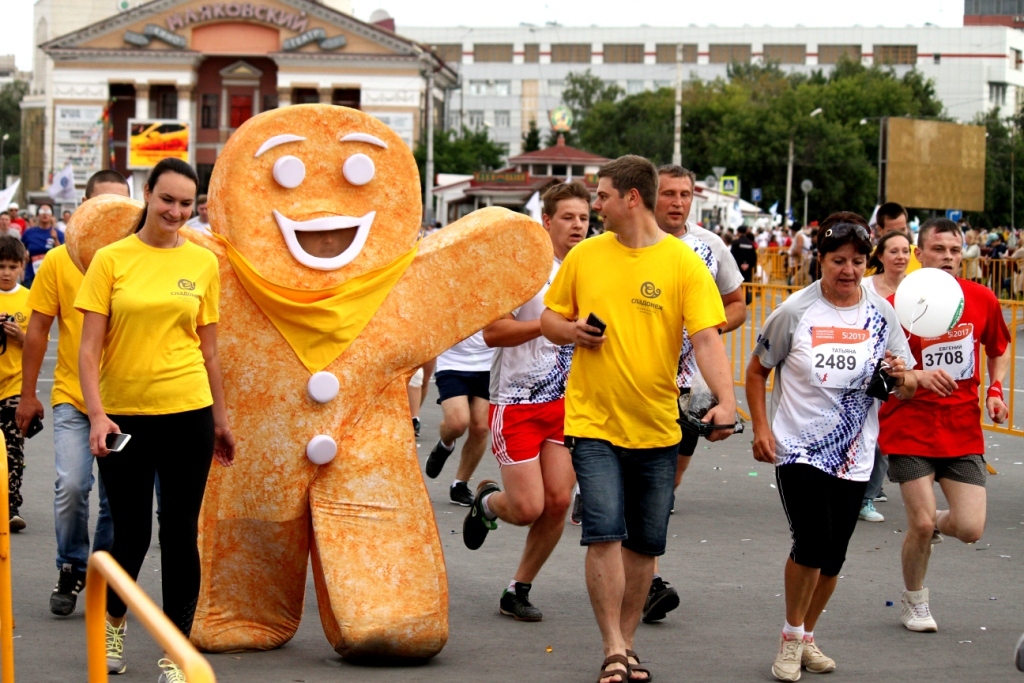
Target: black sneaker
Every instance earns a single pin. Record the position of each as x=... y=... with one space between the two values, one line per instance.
x=576 y=516
x=661 y=600
x=17 y=523
x=65 y=595
x=518 y=605
x=476 y=524
x=416 y=426
x=436 y=459
x=460 y=494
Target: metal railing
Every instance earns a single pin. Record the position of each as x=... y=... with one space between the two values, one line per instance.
x=765 y=298
x=104 y=570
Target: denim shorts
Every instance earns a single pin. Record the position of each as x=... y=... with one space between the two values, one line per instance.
x=626 y=493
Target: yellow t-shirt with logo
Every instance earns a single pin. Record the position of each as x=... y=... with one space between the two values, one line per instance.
x=625 y=392
x=15 y=303
x=155 y=299
x=53 y=293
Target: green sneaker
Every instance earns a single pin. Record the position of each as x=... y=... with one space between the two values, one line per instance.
x=476 y=524
x=115 y=649
x=171 y=673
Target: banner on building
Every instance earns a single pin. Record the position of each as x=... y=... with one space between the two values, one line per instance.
x=150 y=141
x=78 y=139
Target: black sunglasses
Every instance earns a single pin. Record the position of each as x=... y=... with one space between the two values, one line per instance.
x=838 y=232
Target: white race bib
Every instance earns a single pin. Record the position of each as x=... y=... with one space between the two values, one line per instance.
x=839 y=356
x=952 y=352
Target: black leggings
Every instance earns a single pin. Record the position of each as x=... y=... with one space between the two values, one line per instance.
x=822 y=512
x=179 y=448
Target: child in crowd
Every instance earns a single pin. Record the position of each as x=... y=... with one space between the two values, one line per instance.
x=14 y=314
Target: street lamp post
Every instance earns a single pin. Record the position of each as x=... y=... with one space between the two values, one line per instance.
x=789 y=173
x=882 y=121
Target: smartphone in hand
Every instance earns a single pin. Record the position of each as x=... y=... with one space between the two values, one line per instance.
x=594 y=321
x=116 y=442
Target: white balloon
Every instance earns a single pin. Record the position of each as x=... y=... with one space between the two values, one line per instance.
x=929 y=302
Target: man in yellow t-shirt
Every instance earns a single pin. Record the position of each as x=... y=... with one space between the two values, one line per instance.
x=53 y=296
x=14 y=314
x=621 y=399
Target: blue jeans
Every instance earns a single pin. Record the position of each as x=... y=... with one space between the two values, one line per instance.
x=74 y=464
x=626 y=494
x=881 y=468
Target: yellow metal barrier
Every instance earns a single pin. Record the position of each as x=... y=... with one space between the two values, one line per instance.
x=6 y=588
x=765 y=298
x=104 y=569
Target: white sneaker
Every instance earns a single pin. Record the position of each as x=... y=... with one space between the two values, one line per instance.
x=787 y=662
x=916 y=614
x=115 y=649
x=869 y=514
x=814 y=660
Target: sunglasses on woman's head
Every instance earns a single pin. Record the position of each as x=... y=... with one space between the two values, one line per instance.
x=843 y=229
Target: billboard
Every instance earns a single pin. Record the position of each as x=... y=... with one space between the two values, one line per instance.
x=78 y=139
x=152 y=140
x=935 y=165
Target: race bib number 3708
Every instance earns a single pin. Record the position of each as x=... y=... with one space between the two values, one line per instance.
x=839 y=356
x=952 y=352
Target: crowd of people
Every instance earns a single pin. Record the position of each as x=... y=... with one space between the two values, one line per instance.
x=582 y=392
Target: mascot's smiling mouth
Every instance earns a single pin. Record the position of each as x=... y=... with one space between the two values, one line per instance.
x=339 y=227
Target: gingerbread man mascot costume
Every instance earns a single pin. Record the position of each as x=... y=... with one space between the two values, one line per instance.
x=328 y=304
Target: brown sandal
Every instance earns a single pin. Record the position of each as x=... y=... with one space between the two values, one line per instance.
x=637 y=669
x=622 y=673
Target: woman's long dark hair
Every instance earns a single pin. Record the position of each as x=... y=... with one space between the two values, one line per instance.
x=166 y=165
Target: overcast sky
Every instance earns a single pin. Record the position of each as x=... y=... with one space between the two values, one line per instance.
x=17 y=14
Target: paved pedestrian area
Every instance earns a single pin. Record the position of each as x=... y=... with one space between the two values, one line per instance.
x=727 y=544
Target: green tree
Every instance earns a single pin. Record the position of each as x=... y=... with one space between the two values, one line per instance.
x=465 y=151
x=10 y=124
x=531 y=138
x=1004 y=153
x=584 y=91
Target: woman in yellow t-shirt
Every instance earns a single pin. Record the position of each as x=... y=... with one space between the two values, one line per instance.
x=149 y=368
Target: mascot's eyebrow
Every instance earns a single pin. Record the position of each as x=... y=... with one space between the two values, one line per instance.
x=278 y=140
x=364 y=137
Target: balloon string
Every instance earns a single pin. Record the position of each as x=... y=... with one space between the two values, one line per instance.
x=913 y=318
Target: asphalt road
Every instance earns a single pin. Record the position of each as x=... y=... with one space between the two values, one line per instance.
x=727 y=544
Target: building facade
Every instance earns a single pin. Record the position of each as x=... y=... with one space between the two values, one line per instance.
x=213 y=65
x=513 y=75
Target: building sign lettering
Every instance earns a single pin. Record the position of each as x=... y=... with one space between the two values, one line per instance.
x=482 y=177
x=238 y=10
x=303 y=39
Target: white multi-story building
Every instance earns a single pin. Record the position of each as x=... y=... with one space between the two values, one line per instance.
x=510 y=76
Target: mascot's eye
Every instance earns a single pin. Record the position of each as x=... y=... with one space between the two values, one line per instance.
x=289 y=172
x=359 y=169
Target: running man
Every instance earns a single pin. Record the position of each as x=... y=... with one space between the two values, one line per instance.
x=528 y=379
x=951 y=451
x=675 y=196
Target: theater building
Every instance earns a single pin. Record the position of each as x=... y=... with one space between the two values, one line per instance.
x=213 y=65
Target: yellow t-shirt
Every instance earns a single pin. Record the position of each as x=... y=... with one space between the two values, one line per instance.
x=155 y=299
x=14 y=302
x=53 y=293
x=625 y=392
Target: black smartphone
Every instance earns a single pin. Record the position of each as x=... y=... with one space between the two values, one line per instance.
x=117 y=442
x=34 y=427
x=594 y=321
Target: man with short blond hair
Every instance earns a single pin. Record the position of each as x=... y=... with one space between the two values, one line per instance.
x=621 y=410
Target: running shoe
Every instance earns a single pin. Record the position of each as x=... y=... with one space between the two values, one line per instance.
x=936 y=537
x=459 y=494
x=881 y=498
x=65 y=595
x=517 y=604
x=115 y=649
x=917 y=616
x=788 y=661
x=436 y=459
x=869 y=514
x=661 y=600
x=1018 y=654
x=576 y=516
x=476 y=524
x=416 y=426
x=814 y=660
x=17 y=523
x=171 y=673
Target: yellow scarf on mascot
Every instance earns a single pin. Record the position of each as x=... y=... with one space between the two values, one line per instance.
x=319 y=324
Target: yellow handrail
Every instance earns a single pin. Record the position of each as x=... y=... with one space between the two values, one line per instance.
x=6 y=589
x=104 y=569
